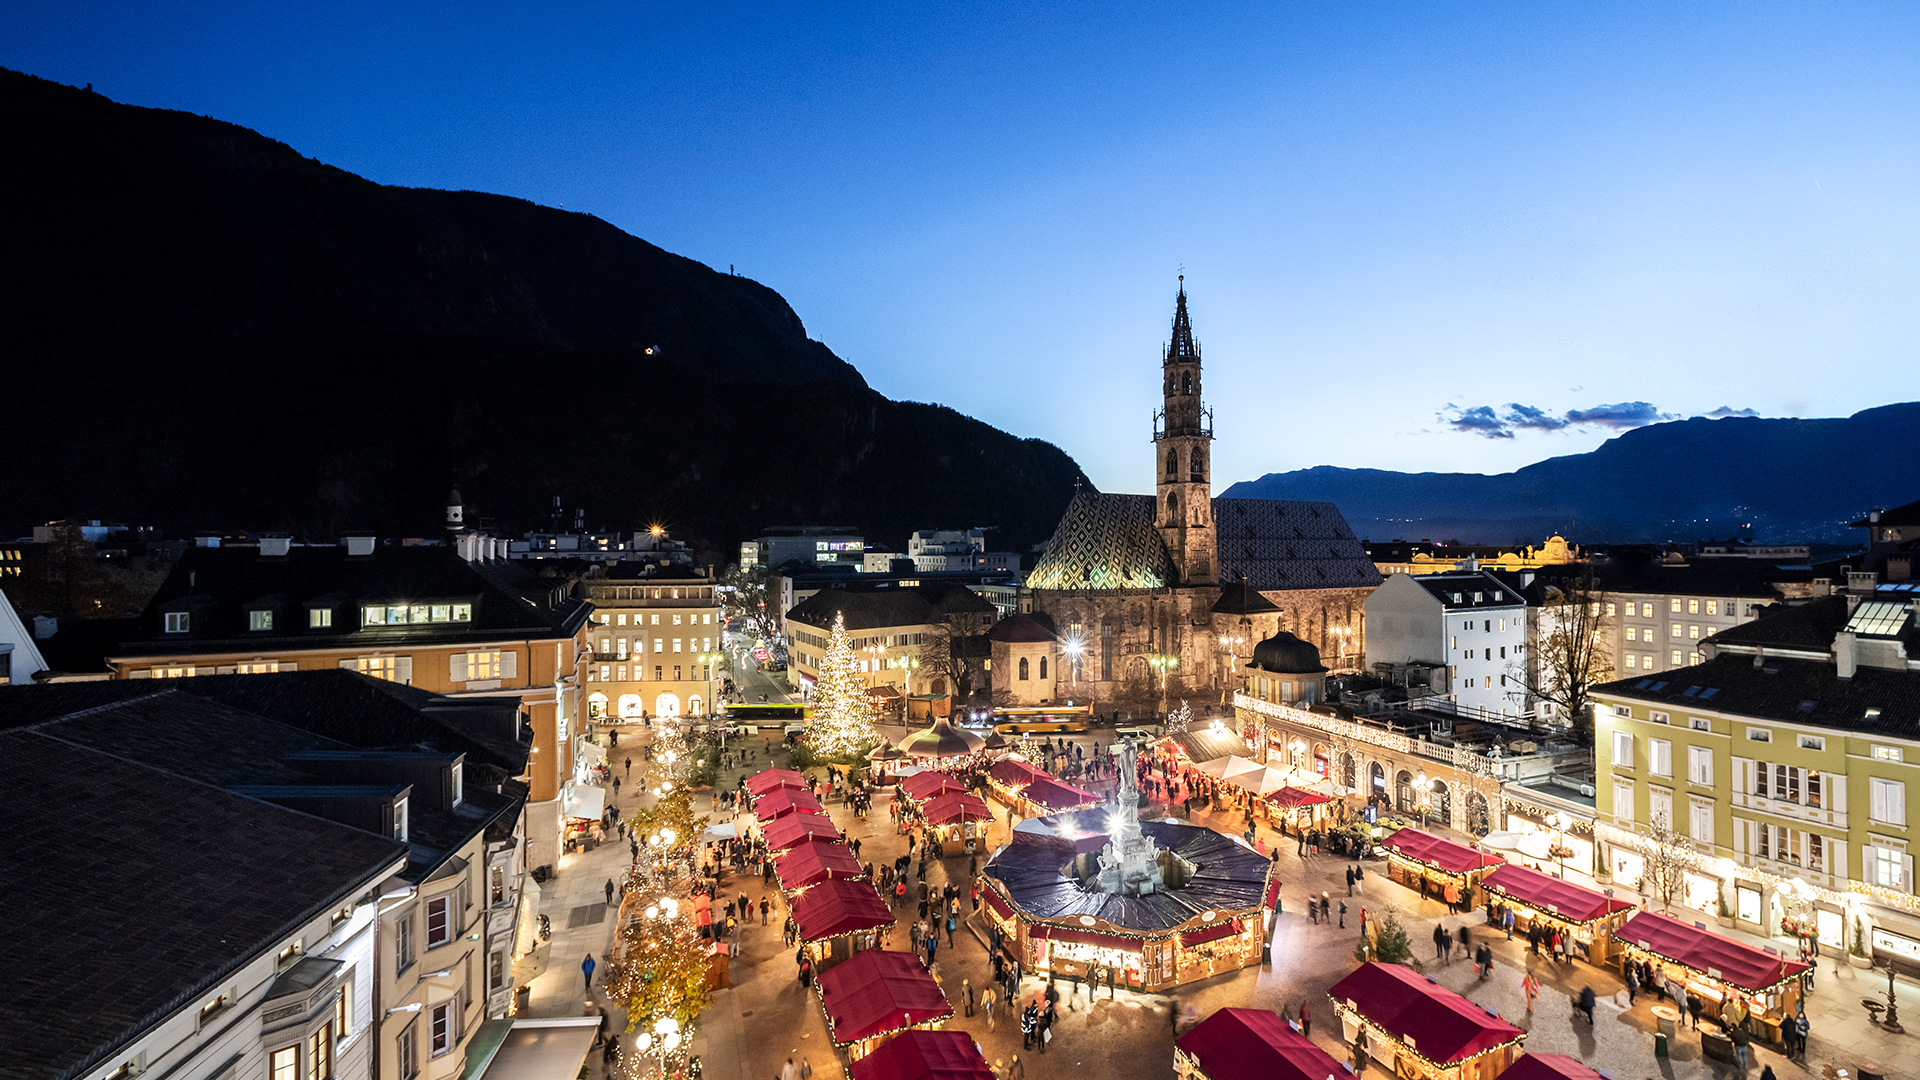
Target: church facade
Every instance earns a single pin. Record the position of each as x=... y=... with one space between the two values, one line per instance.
x=1178 y=586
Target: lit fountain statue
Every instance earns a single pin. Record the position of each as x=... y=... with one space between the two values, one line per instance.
x=1129 y=863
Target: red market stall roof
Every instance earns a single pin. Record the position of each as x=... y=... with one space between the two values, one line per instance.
x=1014 y=773
x=1273 y=891
x=953 y=808
x=1440 y=852
x=1211 y=933
x=811 y=864
x=924 y=1055
x=1549 y=1067
x=925 y=785
x=876 y=992
x=1056 y=795
x=1743 y=966
x=1085 y=937
x=783 y=801
x=993 y=900
x=772 y=779
x=1287 y=798
x=1420 y=1014
x=795 y=829
x=1254 y=1044
x=835 y=907
x=1544 y=892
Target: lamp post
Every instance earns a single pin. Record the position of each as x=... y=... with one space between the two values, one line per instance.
x=1558 y=823
x=1163 y=663
x=1074 y=648
x=1231 y=643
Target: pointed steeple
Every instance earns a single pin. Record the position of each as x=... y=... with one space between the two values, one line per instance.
x=1182 y=346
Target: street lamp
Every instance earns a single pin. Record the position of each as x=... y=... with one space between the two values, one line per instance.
x=664 y=1039
x=1558 y=823
x=1163 y=664
x=1074 y=648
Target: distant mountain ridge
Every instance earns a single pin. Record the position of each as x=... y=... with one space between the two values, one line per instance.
x=1787 y=479
x=206 y=329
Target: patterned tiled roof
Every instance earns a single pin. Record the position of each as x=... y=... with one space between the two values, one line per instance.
x=1110 y=542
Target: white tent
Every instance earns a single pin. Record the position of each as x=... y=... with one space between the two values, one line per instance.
x=586 y=801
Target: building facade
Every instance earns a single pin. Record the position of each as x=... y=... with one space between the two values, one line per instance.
x=1466 y=622
x=658 y=642
x=892 y=628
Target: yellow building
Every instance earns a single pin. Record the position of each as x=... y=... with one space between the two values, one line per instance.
x=890 y=628
x=1403 y=558
x=657 y=640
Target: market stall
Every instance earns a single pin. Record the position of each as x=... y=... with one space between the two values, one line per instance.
x=1435 y=865
x=1249 y=1044
x=1714 y=969
x=876 y=995
x=957 y=817
x=1419 y=1029
x=771 y=779
x=1300 y=808
x=811 y=864
x=1032 y=792
x=1197 y=745
x=585 y=809
x=1550 y=1067
x=787 y=833
x=925 y=1055
x=922 y=786
x=1588 y=918
x=783 y=801
x=838 y=918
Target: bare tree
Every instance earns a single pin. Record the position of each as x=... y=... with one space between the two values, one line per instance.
x=1572 y=651
x=948 y=651
x=1665 y=858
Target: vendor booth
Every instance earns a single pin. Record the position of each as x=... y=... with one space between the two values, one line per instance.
x=783 y=801
x=1550 y=1067
x=838 y=918
x=1436 y=866
x=875 y=996
x=922 y=786
x=958 y=817
x=1586 y=917
x=929 y=706
x=787 y=833
x=1249 y=1044
x=1715 y=969
x=585 y=810
x=1034 y=793
x=811 y=864
x=924 y=1055
x=1419 y=1029
x=772 y=779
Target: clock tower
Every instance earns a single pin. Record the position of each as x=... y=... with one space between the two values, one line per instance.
x=1182 y=440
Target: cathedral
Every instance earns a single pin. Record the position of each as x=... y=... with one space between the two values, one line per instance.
x=1179 y=586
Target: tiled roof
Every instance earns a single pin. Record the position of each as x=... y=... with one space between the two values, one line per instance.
x=132 y=892
x=1023 y=628
x=1110 y=542
x=1808 y=626
x=1810 y=692
x=867 y=609
x=1475 y=589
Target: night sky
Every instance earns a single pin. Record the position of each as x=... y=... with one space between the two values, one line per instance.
x=1414 y=238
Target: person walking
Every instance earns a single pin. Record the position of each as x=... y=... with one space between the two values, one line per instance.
x=766 y=906
x=609 y=890
x=1349 y=882
x=1313 y=911
x=986 y=1006
x=1586 y=1003
x=1800 y=1028
x=1016 y=1071
x=586 y=970
x=1530 y=988
x=966 y=991
x=1343 y=914
x=629 y=766
x=1633 y=986
x=1029 y=1019
x=1682 y=1002
x=1466 y=943
x=1439 y=941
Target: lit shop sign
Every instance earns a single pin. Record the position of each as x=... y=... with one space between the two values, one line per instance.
x=1896 y=944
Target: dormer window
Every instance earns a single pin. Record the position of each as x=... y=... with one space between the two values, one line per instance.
x=400 y=820
x=179 y=622
x=414 y=614
x=319 y=618
x=459 y=784
x=259 y=620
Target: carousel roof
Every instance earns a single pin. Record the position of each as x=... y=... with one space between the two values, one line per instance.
x=796 y=829
x=773 y=779
x=835 y=907
x=1227 y=875
x=783 y=801
x=1254 y=1044
x=876 y=991
x=955 y=807
x=1444 y=1027
x=925 y=785
x=1575 y=903
x=924 y=1055
x=811 y=864
x=1449 y=855
x=1705 y=951
x=941 y=740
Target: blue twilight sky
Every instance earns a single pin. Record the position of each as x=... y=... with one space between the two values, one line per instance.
x=1416 y=236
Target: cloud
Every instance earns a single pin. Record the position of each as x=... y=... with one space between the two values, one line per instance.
x=1725 y=411
x=1486 y=422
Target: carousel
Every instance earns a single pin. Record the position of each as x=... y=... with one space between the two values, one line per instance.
x=1150 y=905
x=941 y=743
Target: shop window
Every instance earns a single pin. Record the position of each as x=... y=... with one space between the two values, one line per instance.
x=1747 y=903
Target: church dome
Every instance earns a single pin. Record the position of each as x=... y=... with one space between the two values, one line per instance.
x=1284 y=654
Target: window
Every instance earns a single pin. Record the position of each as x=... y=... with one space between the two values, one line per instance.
x=407 y=614
x=284 y=1064
x=1623 y=749
x=178 y=622
x=1023 y=668
x=1043 y=667
x=1713 y=607
x=1693 y=607
x=676 y=620
x=407 y=1049
x=1633 y=633
x=1693 y=657
x=319 y=618
x=1660 y=757
x=1654 y=716
x=1693 y=631
x=1887 y=801
x=320 y=1053
x=400 y=820
x=1646 y=661
x=1675 y=657
x=1699 y=765
x=1673 y=605
x=1660 y=807
x=1503 y=625
x=446 y=1026
x=1646 y=610
x=214 y=1008
x=1700 y=820
x=1699 y=723
x=1757 y=734
x=403 y=942
x=1610 y=610
x=659 y=645
x=1633 y=662
x=676 y=644
x=1886 y=753
x=259 y=620
x=343 y=1008
x=483 y=665
x=439 y=921
x=1623 y=800
x=497 y=969
x=1593 y=608
x=380 y=667
x=1887 y=866
x=1673 y=630
x=1813 y=742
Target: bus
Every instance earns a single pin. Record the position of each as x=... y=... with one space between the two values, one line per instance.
x=772 y=715
x=1071 y=719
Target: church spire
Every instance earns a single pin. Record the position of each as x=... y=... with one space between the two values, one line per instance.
x=1182 y=346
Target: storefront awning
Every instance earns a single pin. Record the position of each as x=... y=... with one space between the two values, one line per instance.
x=1254 y=1044
x=1439 y=852
x=593 y=753
x=1419 y=1013
x=586 y=801
x=1086 y=937
x=1718 y=958
x=833 y=908
x=1291 y=798
x=1273 y=891
x=1544 y=892
x=876 y=992
x=542 y=1049
x=1211 y=933
x=1000 y=907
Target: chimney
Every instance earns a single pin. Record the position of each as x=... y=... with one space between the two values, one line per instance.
x=275 y=546
x=45 y=626
x=1845 y=649
x=359 y=543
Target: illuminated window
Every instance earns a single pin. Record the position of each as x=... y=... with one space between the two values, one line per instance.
x=1632 y=662
x=380 y=667
x=1693 y=607
x=1693 y=631
x=1673 y=605
x=1676 y=657
x=178 y=622
x=320 y=1053
x=259 y=620
x=1633 y=633
x=284 y=1064
x=319 y=618
x=1713 y=607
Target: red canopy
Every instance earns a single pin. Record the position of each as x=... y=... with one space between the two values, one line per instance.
x=835 y=907
x=953 y=808
x=1058 y=795
x=811 y=864
x=1014 y=773
x=1085 y=937
x=1444 y=1026
x=926 y=785
x=1253 y=1044
x=1574 y=903
x=876 y=992
x=1288 y=798
x=993 y=901
x=924 y=1055
x=782 y=801
x=1273 y=891
x=795 y=829
x=760 y=783
x=1549 y=1067
x=1729 y=961
x=1211 y=933
x=1438 y=851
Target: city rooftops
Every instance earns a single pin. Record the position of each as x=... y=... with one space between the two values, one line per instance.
x=1468 y=589
x=1786 y=690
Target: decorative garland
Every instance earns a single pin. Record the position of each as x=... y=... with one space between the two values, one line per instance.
x=1340 y=1009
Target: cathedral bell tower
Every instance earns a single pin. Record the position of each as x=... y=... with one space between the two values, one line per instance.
x=1182 y=434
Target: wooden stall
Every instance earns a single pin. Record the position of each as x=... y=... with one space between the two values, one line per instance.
x=780 y=802
x=810 y=864
x=1436 y=866
x=1419 y=1029
x=875 y=996
x=838 y=918
x=1249 y=1044
x=1716 y=969
x=924 y=1055
x=1588 y=918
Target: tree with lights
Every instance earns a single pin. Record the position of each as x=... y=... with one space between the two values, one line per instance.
x=842 y=720
x=1180 y=719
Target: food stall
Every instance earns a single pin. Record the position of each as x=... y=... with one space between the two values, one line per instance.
x=1421 y=1030
x=875 y=996
x=1300 y=808
x=1436 y=865
x=1550 y=1067
x=585 y=811
x=839 y=918
x=1588 y=918
x=783 y=801
x=1032 y=792
x=1249 y=1044
x=924 y=1055
x=787 y=833
x=957 y=817
x=1714 y=968
x=773 y=779
x=811 y=864
x=922 y=786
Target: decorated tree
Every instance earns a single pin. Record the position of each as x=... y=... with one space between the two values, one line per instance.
x=842 y=720
x=1180 y=719
x=1665 y=858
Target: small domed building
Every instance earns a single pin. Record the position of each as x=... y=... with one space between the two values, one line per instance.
x=1288 y=670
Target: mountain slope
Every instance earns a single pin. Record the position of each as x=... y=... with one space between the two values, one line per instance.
x=1787 y=479
x=213 y=331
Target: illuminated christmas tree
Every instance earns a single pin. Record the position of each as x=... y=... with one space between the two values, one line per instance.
x=1180 y=719
x=842 y=720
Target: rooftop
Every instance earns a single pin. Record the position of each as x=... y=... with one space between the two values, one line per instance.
x=1811 y=692
x=868 y=609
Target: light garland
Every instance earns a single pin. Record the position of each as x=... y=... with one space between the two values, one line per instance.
x=842 y=716
x=1577 y=824
x=1360 y=1020
x=1726 y=868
